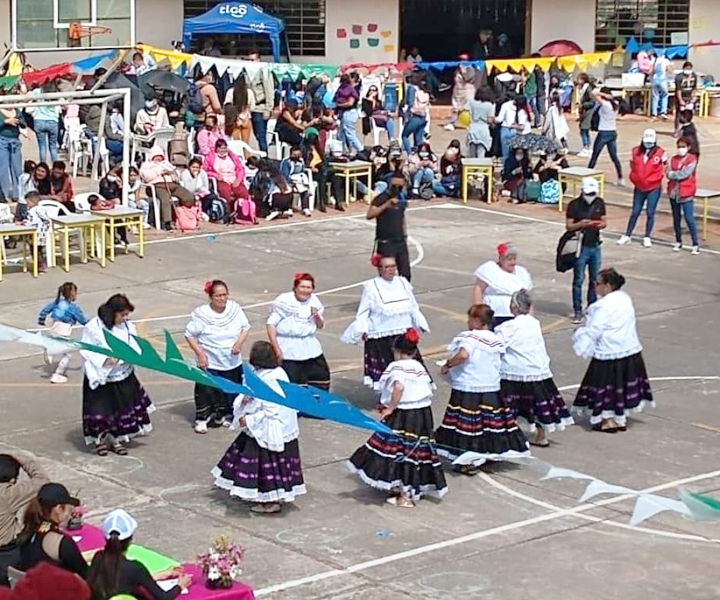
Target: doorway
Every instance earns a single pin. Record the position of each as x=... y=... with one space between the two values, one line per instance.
x=444 y=29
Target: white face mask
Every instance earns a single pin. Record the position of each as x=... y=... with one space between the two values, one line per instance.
x=683 y=151
x=687 y=71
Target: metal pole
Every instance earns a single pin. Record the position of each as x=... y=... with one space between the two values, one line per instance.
x=127 y=113
x=64 y=95
x=101 y=138
x=82 y=101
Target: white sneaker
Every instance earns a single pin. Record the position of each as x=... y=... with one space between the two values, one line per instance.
x=695 y=250
x=200 y=426
x=47 y=358
x=58 y=378
x=225 y=422
x=647 y=242
x=272 y=215
x=584 y=153
x=449 y=127
x=288 y=212
x=306 y=212
x=624 y=240
x=677 y=246
x=621 y=182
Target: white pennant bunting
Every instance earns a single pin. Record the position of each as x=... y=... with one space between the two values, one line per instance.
x=597 y=487
x=648 y=505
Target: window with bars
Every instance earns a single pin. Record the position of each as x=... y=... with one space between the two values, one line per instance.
x=304 y=24
x=618 y=20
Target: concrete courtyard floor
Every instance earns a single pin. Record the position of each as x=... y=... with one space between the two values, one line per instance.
x=501 y=535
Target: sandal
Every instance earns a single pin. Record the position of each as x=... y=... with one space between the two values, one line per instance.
x=400 y=501
x=266 y=509
x=119 y=449
x=604 y=429
x=101 y=449
x=544 y=443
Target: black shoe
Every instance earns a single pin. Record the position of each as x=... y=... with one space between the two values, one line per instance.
x=577 y=318
x=322 y=209
x=339 y=206
x=167 y=226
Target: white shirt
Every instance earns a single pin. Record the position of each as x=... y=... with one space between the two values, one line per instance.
x=525 y=358
x=481 y=371
x=608 y=116
x=609 y=332
x=509 y=116
x=94 y=367
x=295 y=326
x=501 y=285
x=413 y=60
x=418 y=387
x=217 y=333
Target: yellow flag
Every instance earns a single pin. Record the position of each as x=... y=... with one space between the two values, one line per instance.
x=15 y=66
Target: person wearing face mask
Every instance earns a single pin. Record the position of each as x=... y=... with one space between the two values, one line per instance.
x=686 y=83
x=388 y=210
x=151 y=117
x=422 y=165
x=450 y=167
x=516 y=171
x=682 y=185
x=647 y=169
x=587 y=215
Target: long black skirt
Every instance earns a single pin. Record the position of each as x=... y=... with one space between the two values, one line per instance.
x=256 y=474
x=538 y=402
x=478 y=422
x=614 y=389
x=405 y=461
x=212 y=404
x=119 y=408
x=312 y=371
x=378 y=355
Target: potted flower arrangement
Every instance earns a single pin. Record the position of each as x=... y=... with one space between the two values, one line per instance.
x=221 y=563
x=76 y=518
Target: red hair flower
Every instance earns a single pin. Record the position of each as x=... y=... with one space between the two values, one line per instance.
x=375 y=259
x=502 y=249
x=208 y=287
x=412 y=336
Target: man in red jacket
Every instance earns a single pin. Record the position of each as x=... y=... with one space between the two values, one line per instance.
x=647 y=169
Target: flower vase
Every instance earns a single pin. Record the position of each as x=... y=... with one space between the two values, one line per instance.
x=220 y=583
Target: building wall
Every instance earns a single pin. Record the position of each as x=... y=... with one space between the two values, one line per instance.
x=704 y=15
x=572 y=20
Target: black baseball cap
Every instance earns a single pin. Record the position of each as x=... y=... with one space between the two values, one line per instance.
x=52 y=494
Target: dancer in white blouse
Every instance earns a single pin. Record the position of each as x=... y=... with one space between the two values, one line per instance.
x=476 y=419
x=294 y=319
x=403 y=463
x=115 y=406
x=387 y=308
x=616 y=382
x=216 y=333
x=497 y=281
x=263 y=464
x=527 y=385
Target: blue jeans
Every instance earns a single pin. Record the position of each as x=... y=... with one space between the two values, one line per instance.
x=639 y=199
x=590 y=258
x=10 y=167
x=423 y=174
x=47 y=138
x=505 y=134
x=684 y=209
x=348 y=133
x=443 y=189
x=659 y=99
x=390 y=128
x=380 y=187
x=260 y=130
x=414 y=126
x=585 y=137
x=609 y=139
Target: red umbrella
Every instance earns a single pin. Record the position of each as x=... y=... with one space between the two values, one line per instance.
x=560 y=48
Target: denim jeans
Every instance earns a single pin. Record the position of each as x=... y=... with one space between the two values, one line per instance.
x=260 y=129
x=47 y=139
x=684 y=209
x=423 y=174
x=349 y=135
x=609 y=139
x=443 y=189
x=414 y=126
x=639 y=199
x=585 y=137
x=590 y=258
x=505 y=134
x=659 y=99
x=390 y=128
x=10 y=167
x=380 y=187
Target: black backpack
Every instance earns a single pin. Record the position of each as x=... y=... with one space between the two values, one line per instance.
x=195 y=103
x=595 y=119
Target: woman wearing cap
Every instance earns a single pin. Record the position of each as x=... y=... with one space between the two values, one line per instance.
x=387 y=308
x=263 y=465
x=111 y=573
x=216 y=333
x=115 y=406
x=497 y=281
x=647 y=169
x=607 y=130
x=404 y=463
x=616 y=382
x=476 y=419
x=292 y=325
x=42 y=539
x=527 y=384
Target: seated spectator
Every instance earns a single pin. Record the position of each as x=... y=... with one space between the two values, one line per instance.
x=280 y=197
x=100 y=203
x=111 y=185
x=516 y=172
x=289 y=126
x=450 y=171
x=15 y=496
x=160 y=173
x=195 y=179
x=136 y=198
x=373 y=110
x=117 y=121
x=141 y=64
x=208 y=135
x=229 y=172
x=61 y=185
x=113 y=141
x=151 y=117
x=293 y=170
x=42 y=539
x=381 y=172
x=548 y=171
x=49 y=188
x=422 y=164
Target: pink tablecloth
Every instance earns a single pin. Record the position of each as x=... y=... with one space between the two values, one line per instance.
x=91 y=538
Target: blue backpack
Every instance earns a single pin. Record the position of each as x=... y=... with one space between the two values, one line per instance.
x=195 y=103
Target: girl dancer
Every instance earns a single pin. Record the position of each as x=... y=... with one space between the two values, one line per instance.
x=294 y=318
x=476 y=419
x=64 y=313
x=616 y=382
x=263 y=464
x=527 y=385
x=115 y=406
x=404 y=463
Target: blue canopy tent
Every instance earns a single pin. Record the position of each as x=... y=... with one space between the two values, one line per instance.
x=236 y=17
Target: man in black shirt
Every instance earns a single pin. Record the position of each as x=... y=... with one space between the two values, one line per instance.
x=388 y=209
x=587 y=215
x=685 y=90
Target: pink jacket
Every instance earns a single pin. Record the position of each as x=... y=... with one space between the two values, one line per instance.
x=209 y=166
x=206 y=141
x=156 y=172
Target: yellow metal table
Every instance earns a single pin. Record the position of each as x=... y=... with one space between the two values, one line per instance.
x=122 y=216
x=353 y=170
x=574 y=176
x=65 y=224
x=706 y=196
x=477 y=166
x=29 y=239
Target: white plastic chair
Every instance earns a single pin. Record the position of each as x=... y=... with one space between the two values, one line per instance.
x=156 y=205
x=6 y=215
x=52 y=209
x=273 y=138
x=81 y=201
x=141 y=144
x=239 y=147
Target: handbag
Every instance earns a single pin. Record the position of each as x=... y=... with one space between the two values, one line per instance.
x=568 y=250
